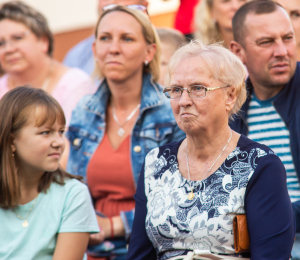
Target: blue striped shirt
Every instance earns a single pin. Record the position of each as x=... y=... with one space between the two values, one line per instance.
x=267 y=127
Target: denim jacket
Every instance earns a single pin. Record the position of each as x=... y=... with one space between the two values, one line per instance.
x=154 y=127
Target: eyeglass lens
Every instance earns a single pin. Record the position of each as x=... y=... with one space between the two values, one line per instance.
x=193 y=91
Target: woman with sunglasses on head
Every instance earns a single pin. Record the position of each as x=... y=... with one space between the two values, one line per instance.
x=112 y=130
x=190 y=191
x=26 y=48
x=45 y=212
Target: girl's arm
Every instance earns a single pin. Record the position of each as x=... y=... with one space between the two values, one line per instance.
x=71 y=246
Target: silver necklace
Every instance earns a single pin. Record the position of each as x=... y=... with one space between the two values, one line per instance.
x=191 y=195
x=121 y=130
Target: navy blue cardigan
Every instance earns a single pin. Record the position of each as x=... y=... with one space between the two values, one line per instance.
x=287 y=105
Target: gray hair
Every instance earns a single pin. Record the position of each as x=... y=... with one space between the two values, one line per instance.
x=223 y=65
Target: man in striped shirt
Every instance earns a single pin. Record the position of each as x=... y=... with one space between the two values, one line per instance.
x=264 y=40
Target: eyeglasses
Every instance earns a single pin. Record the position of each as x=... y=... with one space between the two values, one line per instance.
x=133 y=7
x=14 y=39
x=195 y=91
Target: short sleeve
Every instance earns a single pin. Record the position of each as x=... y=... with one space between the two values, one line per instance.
x=78 y=214
x=270 y=217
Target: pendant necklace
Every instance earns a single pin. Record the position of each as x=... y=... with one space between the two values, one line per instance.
x=191 y=195
x=25 y=223
x=121 y=130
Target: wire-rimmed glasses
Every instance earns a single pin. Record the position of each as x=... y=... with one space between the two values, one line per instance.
x=14 y=39
x=194 y=91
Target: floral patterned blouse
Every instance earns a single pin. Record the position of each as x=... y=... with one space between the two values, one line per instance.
x=251 y=180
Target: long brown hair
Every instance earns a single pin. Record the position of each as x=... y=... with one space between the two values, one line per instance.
x=16 y=107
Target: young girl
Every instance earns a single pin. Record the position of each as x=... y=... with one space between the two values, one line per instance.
x=45 y=212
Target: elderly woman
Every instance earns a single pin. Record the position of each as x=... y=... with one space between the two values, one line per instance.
x=112 y=131
x=26 y=48
x=189 y=191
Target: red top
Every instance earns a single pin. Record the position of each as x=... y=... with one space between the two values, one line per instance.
x=110 y=179
x=185 y=15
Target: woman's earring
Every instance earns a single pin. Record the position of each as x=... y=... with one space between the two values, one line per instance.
x=12 y=154
x=146 y=63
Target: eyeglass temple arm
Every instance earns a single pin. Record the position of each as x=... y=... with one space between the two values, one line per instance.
x=208 y=89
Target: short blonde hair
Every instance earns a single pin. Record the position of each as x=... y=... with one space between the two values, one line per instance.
x=222 y=63
x=150 y=36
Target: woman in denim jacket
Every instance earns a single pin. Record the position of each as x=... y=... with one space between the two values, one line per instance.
x=112 y=131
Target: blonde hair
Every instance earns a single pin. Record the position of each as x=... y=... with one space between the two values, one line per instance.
x=222 y=63
x=172 y=37
x=206 y=29
x=150 y=36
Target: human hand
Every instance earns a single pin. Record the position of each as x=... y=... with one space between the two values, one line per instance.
x=96 y=239
x=105 y=224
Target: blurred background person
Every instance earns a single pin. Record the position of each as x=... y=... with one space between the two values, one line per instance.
x=293 y=9
x=213 y=20
x=170 y=41
x=112 y=131
x=81 y=55
x=26 y=47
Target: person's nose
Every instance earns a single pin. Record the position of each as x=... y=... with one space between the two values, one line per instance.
x=280 y=49
x=114 y=47
x=185 y=99
x=58 y=140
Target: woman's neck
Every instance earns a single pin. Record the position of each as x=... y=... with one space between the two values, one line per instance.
x=126 y=95
x=210 y=143
x=35 y=75
x=227 y=36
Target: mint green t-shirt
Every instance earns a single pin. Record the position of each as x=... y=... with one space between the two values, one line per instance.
x=64 y=208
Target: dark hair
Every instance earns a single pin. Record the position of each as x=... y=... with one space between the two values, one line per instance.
x=34 y=20
x=255 y=7
x=16 y=107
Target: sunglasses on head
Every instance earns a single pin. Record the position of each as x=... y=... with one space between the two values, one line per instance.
x=132 y=7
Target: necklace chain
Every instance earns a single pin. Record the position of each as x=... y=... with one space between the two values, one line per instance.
x=121 y=131
x=191 y=194
x=25 y=223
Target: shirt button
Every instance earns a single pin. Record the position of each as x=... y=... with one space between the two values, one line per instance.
x=137 y=149
x=76 y=141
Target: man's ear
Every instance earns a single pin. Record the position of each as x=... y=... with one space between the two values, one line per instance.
x=238 y=50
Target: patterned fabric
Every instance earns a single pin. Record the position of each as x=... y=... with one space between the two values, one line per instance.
x=175 y=223
x=267 y=127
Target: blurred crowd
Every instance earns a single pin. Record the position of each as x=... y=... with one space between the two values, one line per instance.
x=119 y=95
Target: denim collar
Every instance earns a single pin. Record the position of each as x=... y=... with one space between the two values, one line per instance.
x=151 y=96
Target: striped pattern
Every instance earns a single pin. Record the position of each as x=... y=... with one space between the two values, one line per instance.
x=266 y=127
